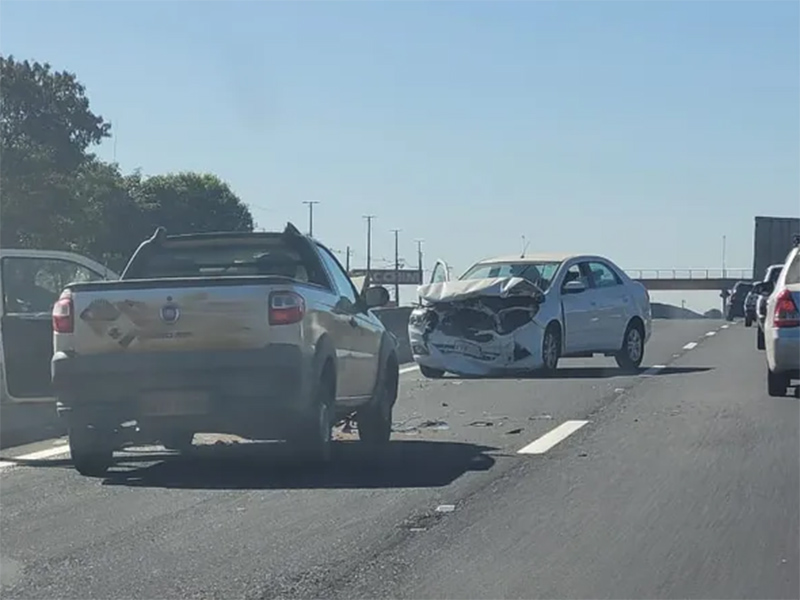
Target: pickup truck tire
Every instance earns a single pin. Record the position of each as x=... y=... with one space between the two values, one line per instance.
x=375 y=419
x=430 y=372
x=312 y=439
x=91 y=450
x=178 y=440
x=629 y=357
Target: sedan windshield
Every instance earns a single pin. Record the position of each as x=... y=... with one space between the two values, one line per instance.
x=540 y=273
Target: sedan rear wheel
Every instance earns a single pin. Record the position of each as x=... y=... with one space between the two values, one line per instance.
x=631 y=354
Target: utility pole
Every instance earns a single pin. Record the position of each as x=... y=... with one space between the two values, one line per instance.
x=419 y=259
x=724 y=244
x=725 y=292
x=347 y=260
x=369 y=219
x=310 y=204
x=396 y=266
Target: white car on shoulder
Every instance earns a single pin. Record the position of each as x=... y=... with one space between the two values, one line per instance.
x=782 y=325
x=524 y=313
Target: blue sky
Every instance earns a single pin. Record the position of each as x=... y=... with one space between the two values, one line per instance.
x=644 y=131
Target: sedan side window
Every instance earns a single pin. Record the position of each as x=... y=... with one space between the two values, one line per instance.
x=574 y=274
x=603 y=275
x=341 y=281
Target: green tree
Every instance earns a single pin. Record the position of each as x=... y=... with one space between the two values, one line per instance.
x=46 y=129
x=189 y=202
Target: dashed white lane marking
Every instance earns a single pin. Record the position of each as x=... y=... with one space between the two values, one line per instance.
x=63 y=449
x=710 y=333
x=690 y=345
x=725 y=326
x=405 y=370
x=552 y=437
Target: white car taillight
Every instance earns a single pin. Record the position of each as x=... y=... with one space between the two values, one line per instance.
x=64 y=314
x=286 y=308
x=786 y=313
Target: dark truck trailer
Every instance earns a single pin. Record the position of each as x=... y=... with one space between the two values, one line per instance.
x=772 y=242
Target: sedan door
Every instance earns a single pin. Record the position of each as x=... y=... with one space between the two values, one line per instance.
x=614 y=302
x=580 y=322
x=31 y=283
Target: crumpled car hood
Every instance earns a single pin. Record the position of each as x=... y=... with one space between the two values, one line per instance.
x=478 y=326
x=499 y=287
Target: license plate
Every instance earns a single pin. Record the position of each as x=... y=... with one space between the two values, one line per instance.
x=173 y=402
x=468 y=349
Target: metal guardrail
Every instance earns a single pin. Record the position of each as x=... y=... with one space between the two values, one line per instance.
x=738 y=274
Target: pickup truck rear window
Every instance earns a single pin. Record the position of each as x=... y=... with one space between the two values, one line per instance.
x=228 y=258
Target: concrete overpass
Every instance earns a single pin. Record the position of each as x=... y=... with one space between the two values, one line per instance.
x=689 y=279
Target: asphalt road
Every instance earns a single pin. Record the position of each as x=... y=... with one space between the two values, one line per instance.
x=680 y=482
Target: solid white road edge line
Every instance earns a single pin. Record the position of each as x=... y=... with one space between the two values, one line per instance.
x=405 y=370
x=63 y=449
x=690 y=345
x=552 y=437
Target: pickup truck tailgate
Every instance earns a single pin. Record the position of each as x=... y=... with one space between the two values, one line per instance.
x=170 y=318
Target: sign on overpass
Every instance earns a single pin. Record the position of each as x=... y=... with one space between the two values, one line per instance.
x=387 y=276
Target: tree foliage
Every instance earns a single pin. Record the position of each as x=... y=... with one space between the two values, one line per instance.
x=56 y=194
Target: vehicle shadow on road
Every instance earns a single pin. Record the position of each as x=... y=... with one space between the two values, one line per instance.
x=266 y=466
x=591 y=373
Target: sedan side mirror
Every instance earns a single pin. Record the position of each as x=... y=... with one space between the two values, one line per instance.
x=376 y=296
x=764 y=288
x=576 y=286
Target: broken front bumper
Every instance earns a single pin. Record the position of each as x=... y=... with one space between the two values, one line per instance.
x=482 y=353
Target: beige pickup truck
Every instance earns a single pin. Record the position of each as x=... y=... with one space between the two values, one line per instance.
x=261 y=335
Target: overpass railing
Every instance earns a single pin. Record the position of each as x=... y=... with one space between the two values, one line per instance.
x=736 y=274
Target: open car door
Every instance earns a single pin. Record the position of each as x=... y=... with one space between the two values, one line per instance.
x=30 y=283
x=440 y=273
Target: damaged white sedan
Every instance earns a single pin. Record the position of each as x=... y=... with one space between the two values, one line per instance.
x=521 y=314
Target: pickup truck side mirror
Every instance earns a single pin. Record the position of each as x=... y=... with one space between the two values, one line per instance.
x=376 y=296
x=576 y=286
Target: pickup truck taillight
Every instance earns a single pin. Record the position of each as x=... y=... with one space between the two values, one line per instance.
x=786 y=313
x=64 y=314
x=286 y=308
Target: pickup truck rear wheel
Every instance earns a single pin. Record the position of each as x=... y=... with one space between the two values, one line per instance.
x=375 y=419
x=91 y=450
x=312 y=441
